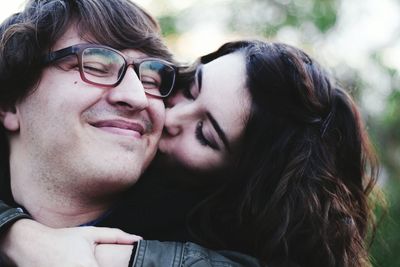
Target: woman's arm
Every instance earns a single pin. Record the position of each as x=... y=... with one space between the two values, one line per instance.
x=29 y=243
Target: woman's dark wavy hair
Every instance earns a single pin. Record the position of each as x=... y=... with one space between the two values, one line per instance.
x=297 y=195
x=28 y=35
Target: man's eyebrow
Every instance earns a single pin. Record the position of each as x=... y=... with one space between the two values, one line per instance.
x=219 y=131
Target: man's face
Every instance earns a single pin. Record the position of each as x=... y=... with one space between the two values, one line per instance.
x=99 y=137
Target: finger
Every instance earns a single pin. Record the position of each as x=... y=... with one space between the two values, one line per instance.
x=106 y=235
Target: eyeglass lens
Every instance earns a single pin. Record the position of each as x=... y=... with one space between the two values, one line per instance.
x=104 y=66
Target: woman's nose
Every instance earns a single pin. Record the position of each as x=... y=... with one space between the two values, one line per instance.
x=171 y=126
x=175 y=99
x=178 y=117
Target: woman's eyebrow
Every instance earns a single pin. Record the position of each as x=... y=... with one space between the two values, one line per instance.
x=199 y=76
x=214 y=123
x=219 y=131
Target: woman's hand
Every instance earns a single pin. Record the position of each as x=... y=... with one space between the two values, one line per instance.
x=111 y=255
x=29 y=243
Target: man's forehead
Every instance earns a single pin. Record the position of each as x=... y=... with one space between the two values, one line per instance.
x=73 y=37
x=70 y=37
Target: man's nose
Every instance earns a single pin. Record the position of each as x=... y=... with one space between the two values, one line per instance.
x=129 y=93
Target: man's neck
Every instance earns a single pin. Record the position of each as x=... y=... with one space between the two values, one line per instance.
x=59 y=217
x=59 y=196
x=60 y=205
x=60 y=210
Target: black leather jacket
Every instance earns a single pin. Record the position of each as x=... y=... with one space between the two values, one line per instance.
x=151 y=253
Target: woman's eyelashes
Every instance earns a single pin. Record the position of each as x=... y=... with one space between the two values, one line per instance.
x=199 y=132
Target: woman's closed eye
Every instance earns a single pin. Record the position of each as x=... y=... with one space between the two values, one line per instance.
x=203 y=139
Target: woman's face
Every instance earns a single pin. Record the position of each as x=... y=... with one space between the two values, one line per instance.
x=205 y=122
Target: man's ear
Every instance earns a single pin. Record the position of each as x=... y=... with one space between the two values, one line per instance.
x=10 y=119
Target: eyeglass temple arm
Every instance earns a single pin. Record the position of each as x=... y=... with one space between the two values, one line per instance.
x=53 y=56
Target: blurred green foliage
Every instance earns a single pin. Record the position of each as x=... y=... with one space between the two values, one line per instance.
x=268 y=16
x=384 y=250
x=385 y=132
x=168 y=25
x=314 y=19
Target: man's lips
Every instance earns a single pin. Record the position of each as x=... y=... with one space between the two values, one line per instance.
x=120 y=127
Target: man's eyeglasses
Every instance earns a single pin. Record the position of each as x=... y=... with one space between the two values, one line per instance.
x=105 y=66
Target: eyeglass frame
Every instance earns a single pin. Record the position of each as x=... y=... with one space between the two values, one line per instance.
x=78 y=49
